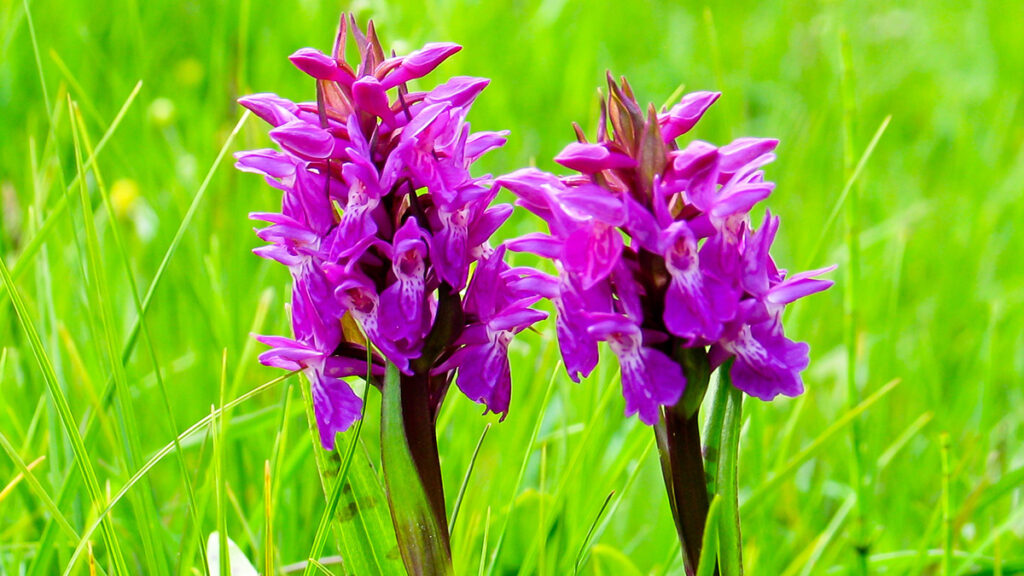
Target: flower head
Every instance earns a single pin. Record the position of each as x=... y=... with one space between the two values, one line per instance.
x=381 y=222
x=656 y=251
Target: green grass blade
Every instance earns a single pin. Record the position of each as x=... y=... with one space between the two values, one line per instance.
x=219 y=479
x=130 y=341
x=561 y=490
x=851 y=308
x=465 y=480
x=947 y=508
x=268 y=521
x=147 y=339
x=903 y=439
x=26 y=257
x=354 y=498
x=67 y=419
x=1009 y=483
x=201 y=424
x=37 y=488
x=30 y=249
x=730 y=545
x=709 y=547
x=483 y=543
x=522 y=471
x=186 y=221
x=145 y=508
x=81 y=95
x=320 y=567
x=1011 y=523
x=91 y=420
x=841 y=201
x=757 y=496
x=581 y=552
x=324 y=526
x=651 y=442
x=828 y=536
x=711 y=434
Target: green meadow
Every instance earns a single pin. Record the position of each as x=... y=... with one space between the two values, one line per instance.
x=135 y=419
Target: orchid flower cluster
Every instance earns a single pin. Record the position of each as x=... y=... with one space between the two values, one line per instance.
x=656 y=252
x=380 y=224
x=386 y=235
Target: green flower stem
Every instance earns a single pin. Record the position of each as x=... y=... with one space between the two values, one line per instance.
x=412 y=474
x=730 y=556
x=712 y=436
x=682 y=465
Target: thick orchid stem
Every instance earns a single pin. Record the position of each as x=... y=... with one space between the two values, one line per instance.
x=682 y=465
x=412 y=475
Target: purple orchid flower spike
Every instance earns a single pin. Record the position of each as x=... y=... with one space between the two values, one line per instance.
x=381 y=222
x=657 y=256
x=410 y=221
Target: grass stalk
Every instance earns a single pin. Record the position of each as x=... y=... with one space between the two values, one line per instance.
x=851 y=313
x=730 y=543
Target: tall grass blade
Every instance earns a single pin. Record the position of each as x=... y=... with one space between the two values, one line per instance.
x=851 y=307
x=94 y=276
x=947 y=508
x=268 y=522
x=709 y=547
x=465 y=480
x=67 y=419
x=30 y=249
x=25 y=474
x=219 y=481
x=730 y=544
x=522 y=472
x=825 y=539
x=148 y=340
x=162 y=453
x=850 y=182
x=353 y=497
x=562 y=489
x=711 y=434
x=757 y=496
x=581 y=553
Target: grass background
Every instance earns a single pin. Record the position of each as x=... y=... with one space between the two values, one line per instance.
x=934 y=297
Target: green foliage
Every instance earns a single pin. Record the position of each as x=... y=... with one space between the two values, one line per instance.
x=151 y=222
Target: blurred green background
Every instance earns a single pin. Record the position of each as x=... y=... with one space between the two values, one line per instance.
x=934 y=298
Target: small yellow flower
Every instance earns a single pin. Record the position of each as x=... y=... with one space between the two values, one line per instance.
x=124 y=196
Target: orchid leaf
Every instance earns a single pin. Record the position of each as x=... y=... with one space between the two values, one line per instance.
x=422 y=533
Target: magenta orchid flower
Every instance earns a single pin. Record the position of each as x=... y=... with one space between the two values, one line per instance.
x=657 y=256
x=660 y=238
x=380 y=224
